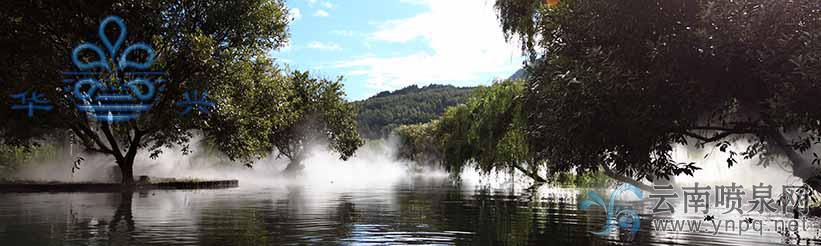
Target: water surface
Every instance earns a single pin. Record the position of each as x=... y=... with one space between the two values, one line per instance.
x=420 y=211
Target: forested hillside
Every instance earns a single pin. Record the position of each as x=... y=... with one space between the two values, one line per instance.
x=379 y=114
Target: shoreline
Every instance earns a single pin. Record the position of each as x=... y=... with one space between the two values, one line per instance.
x=55 y=187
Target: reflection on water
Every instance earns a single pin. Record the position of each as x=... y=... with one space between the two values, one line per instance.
x=413 y=212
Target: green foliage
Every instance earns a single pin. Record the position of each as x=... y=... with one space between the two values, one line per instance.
x=13 y=157
x=318 y=112
x=276 y=111
x=584 y=180
x=617 y=83
x=419 y=142
x=454 y=135
x=380 y=114
x=244 y=110
x=215 y=46
x=497 y=127
x=488 y=131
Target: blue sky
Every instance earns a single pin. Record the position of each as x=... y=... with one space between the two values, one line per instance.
x=382 y=45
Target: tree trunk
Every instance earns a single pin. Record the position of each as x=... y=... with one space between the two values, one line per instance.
x=295 y=166
x=127 y=170
x=621 y=178
x=801 y=167
x=535 y=176
x=127 y=161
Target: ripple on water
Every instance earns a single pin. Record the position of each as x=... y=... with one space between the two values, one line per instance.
x=408 y=213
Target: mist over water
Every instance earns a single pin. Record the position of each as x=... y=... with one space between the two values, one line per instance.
x=374 y=164
x=95 y=168
x=371 y=198
x=746 y=172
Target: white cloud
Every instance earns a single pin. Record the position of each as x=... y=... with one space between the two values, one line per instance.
x=321 y=13
x=329 y=46
x=311 y=2
x=328 y=5
x=465 y=40
x=295 y=13
x=346 y=33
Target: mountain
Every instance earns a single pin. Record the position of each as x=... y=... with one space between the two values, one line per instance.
x=378 y=115
x=519 y=74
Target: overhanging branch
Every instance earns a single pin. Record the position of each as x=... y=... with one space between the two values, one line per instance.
x=88 y=135
x=720 y=132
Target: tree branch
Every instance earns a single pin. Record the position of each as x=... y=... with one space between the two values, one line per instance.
x=83 y=139
x=112 y=141
x=530 y=174
x=135 y=144
x=621 y=178
x=725 y=132
x=90 y=134
x=708 y=139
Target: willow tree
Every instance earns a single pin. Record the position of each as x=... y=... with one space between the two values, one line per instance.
x=615 y=84
x=198 y=46
x=487 y=131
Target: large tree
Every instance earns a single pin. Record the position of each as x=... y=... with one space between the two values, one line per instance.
x=615 y=84
x=200 y=45
x=319 y=114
